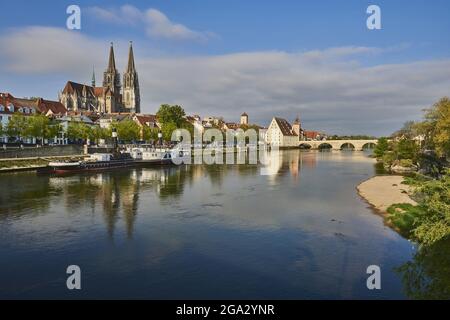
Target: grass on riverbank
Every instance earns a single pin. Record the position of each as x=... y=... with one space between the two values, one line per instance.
x=404 y=216
x=31 y=163
x=429 y=222
x=10 y=164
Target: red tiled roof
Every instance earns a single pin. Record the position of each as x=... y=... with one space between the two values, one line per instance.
x=55 y=107
x=311 y=134
x=285 y=127
x=144 y=119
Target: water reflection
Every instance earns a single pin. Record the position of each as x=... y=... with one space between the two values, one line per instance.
x=427 y=276
x=117 y=194
x=300 y=232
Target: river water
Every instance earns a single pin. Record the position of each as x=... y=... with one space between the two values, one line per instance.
x=200 y=232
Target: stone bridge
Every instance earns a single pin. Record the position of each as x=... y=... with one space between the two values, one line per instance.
x=357 y=145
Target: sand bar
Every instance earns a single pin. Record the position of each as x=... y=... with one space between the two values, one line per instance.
x=384 y=191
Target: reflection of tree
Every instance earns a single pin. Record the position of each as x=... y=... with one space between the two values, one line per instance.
x=32 y=194
x=427 y=276
x=173 y=182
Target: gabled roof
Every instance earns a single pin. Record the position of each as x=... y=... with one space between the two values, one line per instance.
x=285 y=127
x=7 y=99
x=232 y=125
x=144 y=119
x=115 y=116
x=55 y=107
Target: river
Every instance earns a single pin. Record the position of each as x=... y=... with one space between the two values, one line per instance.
x=200 y=232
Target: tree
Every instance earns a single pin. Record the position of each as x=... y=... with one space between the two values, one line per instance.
x=435 y=129
x=17 y=126
x=442 y=133
x=381 y=148
x=98 y=133
x=408 y=131
x=127 y=130
x=52 y=130
x=167 y=130
x=406 y=149
x=171 y=114
x=149 y=133
x=37 y=127
x=79 y=130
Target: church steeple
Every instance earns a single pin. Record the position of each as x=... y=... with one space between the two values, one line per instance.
x=112 y=60
x=131 y=67
x=111 y=77
x=131 y=93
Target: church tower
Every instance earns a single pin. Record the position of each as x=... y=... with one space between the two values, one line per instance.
x=111 y=77
x=131 y=94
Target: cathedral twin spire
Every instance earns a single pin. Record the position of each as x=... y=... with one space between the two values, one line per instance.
x=130 y=99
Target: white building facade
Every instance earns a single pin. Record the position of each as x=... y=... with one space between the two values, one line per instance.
x=281 y=134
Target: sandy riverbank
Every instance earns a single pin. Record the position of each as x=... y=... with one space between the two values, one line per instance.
x=384 y=191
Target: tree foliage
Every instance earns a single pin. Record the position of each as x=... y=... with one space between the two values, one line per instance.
x=127 y=130
x=171 y=114
x=381 y=148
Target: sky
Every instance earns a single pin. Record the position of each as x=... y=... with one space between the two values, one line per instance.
x=287 y=58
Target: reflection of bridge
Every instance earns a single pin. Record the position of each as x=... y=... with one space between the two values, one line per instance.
x=357 y=145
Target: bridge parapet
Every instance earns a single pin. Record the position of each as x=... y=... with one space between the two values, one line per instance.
x=358 y=145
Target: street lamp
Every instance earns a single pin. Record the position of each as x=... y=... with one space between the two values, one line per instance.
x=115 y=142
x=160 y=138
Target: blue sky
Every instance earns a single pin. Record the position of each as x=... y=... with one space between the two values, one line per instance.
x=215 y=64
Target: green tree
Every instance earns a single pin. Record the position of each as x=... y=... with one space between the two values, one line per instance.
x=79 y=130
x=127 y=130
x=150 y=133
x=381 y=148
x=52 y=130
x=171 y=114
x=435 y=129
x=406 y=149
x=442 y=131
x=167 y=130
x=37 y=127
x=17 y=126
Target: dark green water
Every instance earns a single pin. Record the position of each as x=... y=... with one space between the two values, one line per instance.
x=200 y=232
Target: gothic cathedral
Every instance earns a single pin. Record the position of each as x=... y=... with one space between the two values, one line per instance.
x=110 y=97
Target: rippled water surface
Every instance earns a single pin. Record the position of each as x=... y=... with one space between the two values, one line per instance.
x=200 y=232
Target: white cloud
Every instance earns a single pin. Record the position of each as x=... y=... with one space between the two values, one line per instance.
x=328 y=88
x=155 y=23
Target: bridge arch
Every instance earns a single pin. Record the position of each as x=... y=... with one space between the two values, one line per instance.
x=369 y=145
x=325 y=146
x=305 y=145
x=347 y=146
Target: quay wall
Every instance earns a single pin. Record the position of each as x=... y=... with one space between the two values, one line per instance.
x=39 y=152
